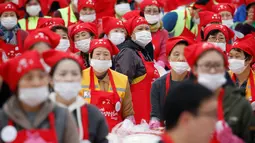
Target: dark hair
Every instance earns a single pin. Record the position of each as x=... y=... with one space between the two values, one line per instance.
x=213 y=33
x=59 y=27
x=249 y=6
x=53 y=69
x=246 y=55
x=121 y=1
x=180 y=43
x=244 y=28
x=186 y=97
x=54 y=7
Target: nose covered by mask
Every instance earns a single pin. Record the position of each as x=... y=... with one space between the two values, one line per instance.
x=152 y=19
x=212 y=81
x=67 y=90
x=117 y=38
x=101 y=65
x=179 y=67
x=222 y=46
x=237 y=66
x=33 y=96
x=63 y=45
x=143 y=38
x=9 y=22
x=33 y=10
x=88 y=17
x=122 y=8
x=228 y=23
x=83 y=45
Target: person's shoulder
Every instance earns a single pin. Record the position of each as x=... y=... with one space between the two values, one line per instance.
x=93 y=111
x=119 y=74
x=234 y=95
x=161 y=79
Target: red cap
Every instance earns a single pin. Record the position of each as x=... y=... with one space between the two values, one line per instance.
x=145 y=3
x=248 y=2
x=133 y=22
x=85 y=4
x=95 y=43
x=110 y=23
x=207 y=17
x=10 y=50
x=171 y=43
x=42 y=35
x=50 y=22
x=224 y=7
x=193 y=52
x=246 y=44
x=86 y=26
x=52 y=57
x=131 y=14
x=8 y=7
x=17 y=67
x=227 y=32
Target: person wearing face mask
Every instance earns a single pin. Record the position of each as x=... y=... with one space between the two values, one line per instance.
x=121 y=7
x=33 y=11
x=57 y=25
x=12 y=37
x=209 y=18
x=86 y=9
x=219 y=35
x=226 y=10
x=240 y=60
x=114 y=30
x=208 y=63
x=131 y=14
x=151 y=10
x=29 y=116
x=105 y=88
x=82 y=34
x=135 y=61
x=160 y=88
x=69 y=14
x=66 y=76
x=178 y=21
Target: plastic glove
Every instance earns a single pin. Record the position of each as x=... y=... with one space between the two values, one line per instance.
x=154 y=123
x=132 y=119
x=225 y=135
x=161 y=63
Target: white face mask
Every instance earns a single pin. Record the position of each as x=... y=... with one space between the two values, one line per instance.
x=228 y=23
x=67 y=90
x=138 y=1
x=212 y=81
x=196 y=20
x=75 y=2
x=9 y=22
x=179 y=67
x=63 y=45
x=88 y=18
x=152 y=19
x=222 y=46
x=33 y=96
x=83 y=45
x=16 y=2
x=117 y=38
x=143 y=38
x=237 y=66
x=122 y=8
x=101 y=65
x=33 y=10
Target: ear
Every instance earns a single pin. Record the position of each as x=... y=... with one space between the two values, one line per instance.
x=185 y=118
x=249 y=61
x=194 y=70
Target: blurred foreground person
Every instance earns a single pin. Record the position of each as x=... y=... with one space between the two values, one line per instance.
x=185 y=117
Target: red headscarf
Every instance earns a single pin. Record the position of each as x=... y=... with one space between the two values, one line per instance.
x=224 y=7
x=227 y=32
x=16 y=68
x=110 y=23
x=50 y=22
x=172 y=42
x=95 y=43
x=207 y=17
x=133 y=22
x=8 y=7
x=131 y=14
x=85 y=4
x=145 y=3
x=86 y=26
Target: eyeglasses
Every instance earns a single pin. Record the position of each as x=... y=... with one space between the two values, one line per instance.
x=215 y=39
x=208 y=67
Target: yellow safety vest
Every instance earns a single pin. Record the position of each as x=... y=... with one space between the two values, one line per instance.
x=120 y=81
x=248 y=94
x=179 y=26
x=32 y=22
x=64 y=15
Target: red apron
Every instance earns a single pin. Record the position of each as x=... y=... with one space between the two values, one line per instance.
x=109 y=103
x=69 y=17
x=141 y=92
x=38 y=135
x=85 y=122
x=166 y=139
x=220 y=113
x=251 y=78
x=10 y=50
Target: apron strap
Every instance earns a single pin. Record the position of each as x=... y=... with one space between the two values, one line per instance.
x=220 y=105
x=168 y=78
x=26 y=23
x=141 y=56
x=85 y=122
x=252 y=85
x=68 y=15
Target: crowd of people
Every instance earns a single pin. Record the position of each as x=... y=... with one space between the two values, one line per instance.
x=71 y=70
